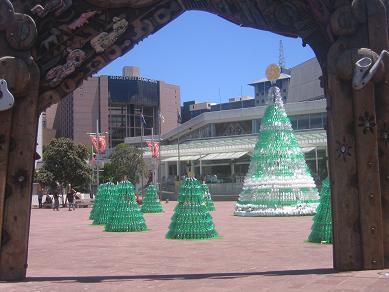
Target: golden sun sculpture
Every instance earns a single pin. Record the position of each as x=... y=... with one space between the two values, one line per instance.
x=273 y=72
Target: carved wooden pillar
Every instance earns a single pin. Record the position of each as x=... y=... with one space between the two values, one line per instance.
x=18 y=128
x=356 y=118
x=378 y=40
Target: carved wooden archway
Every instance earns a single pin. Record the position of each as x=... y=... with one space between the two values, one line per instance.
x=48 y=47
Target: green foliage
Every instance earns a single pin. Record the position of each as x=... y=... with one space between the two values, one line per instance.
x=107 y=175
x=191 y=219
x=322 y=221
x=151 y=202
x=66 y=163
x=126 y=164
x=44 y=178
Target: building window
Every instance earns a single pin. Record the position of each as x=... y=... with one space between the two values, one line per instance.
x=294 y=123
x=316 y=121
x=303 y=122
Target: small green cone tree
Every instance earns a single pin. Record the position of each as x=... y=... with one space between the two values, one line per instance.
x=151 y=202
x=126 y=215
x=191 y=219
x=105 y=205
x=207 y=197
x=98 y=197
x=278 y=182
x=321 y=230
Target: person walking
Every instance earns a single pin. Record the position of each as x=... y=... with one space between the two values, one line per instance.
x=54 y=190
x=70 y=199
x=40 y=196
x=56 y=201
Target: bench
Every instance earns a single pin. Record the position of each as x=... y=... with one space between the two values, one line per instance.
x=84 y=203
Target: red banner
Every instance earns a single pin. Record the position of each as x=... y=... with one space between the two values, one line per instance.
x=102 y=144
x=154 y=149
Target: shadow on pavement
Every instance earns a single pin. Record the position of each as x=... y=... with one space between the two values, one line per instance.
x=97 y=279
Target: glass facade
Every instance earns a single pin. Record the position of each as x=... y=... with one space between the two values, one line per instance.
x=299 y=122
x=310 y=121
x=129 y=97
x=125 y=120
x=233 y=128
x=262 y=89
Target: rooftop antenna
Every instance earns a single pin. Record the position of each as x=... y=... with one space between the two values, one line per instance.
x=281 y=58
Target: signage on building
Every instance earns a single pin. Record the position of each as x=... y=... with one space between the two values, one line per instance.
x=133 y=78
x=133 y=90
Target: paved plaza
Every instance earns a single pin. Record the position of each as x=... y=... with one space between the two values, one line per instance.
x=67 y=253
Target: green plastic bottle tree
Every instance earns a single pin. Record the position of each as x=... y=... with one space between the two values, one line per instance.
x=103 y=203
x=151 y=202
x=207 y=197
x=278 y=182
x=321 y=231
x=126 y=215
x=191 y=219
x=98 y=197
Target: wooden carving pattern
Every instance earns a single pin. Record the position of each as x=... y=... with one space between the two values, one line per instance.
x=72 y=39
x=107 y=29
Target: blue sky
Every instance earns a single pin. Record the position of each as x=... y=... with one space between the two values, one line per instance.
x=203 y=53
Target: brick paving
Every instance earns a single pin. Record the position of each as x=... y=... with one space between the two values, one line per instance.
x=67 y=253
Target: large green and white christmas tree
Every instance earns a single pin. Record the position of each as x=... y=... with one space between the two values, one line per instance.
x=278 y=182
x=151 y=202
x=126 y=215
x=321 y=230
x=191 y=219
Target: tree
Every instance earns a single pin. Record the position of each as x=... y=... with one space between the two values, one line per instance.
x=126 y=164
x=278 y=182
x=126 y=215
x=207 y=197
x=322 y=221
x=151 y=202
x=44 y=178
x=191 y=219
x=66 y=163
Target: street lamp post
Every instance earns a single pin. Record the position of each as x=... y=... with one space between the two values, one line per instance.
x=97 y=154
x=98 y=134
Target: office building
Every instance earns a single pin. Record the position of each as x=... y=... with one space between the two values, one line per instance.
x=115 y=105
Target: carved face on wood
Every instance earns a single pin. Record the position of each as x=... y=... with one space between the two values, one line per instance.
x=123 y=3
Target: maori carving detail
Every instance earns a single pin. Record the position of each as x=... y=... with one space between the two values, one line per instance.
x=22 y=33
x=6 y=14
x=343 y=21
x=365 y=70
x=343 y=149
x=52 y=39
x=6 y=98
x=123 y=3
x=385 y=134
x=73 y=61
x=56 y=6
x=82 y=20
x=103 y=32
x=367 y=123
x=104 y=40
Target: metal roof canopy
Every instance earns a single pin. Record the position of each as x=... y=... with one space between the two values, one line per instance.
x=221 y=156
x=182 y=158
x=192 y=150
